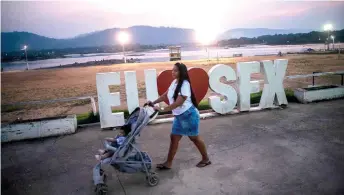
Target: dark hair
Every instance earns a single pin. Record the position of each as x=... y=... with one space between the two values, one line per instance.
x=183 y=75
x=126 y=129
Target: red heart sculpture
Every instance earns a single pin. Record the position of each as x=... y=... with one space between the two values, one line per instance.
x=199 y=82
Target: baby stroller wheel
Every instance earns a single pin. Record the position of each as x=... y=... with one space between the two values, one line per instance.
x=101 y=189
x=102 y=173
x=152 y=179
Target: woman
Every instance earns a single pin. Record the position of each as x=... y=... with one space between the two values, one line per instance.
x=183 y=106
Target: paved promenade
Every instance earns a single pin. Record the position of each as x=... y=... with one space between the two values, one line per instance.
x=297 y=150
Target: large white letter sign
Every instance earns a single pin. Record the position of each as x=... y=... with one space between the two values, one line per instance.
x=244 y=70
x=151 y=84
x=131 y=90
x=231 y=97
x=273 y=82
x=107 y=99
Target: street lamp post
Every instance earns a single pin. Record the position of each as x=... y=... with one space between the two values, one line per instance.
x=207 y=49
x=332 y=41
x=205 y=38
x=27 y=64
x=123 y=38
x=328 y=28
x=125 y=58
x=339 y=51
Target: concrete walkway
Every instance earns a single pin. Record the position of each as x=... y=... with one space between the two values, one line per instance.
x=298 y=150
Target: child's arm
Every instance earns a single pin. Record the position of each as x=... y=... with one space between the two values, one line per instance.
x=110 y=139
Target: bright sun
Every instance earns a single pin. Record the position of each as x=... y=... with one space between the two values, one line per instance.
x=206 y=36
x=123 y=37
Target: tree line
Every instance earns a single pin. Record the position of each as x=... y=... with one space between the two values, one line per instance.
x=286 y=39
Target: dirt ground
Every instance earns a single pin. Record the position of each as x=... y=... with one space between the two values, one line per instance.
x=73 y=82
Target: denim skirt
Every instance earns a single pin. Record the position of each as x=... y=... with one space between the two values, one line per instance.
x=187 y=123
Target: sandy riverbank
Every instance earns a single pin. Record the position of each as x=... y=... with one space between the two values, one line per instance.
x=72 y=82
x=94 y=63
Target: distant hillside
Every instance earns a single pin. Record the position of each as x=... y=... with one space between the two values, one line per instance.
x=12 y=41
x=146 y=35
x=256 y=32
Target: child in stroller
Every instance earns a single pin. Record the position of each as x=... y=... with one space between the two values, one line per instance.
x=114 y=142
x=127 y=157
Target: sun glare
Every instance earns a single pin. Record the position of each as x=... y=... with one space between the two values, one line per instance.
x=123 y=37
x=206 y=36
x=328 y=27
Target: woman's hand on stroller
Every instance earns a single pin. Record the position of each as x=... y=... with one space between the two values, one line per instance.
x=157 y=108
x=149 y=103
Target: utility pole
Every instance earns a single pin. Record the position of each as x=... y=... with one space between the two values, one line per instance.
x=27 y=64
x=339 y=51
x=125 y=58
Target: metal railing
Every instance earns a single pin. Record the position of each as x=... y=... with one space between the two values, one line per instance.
x=337 y=73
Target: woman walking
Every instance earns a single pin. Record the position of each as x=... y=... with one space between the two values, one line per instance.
x=186 y=116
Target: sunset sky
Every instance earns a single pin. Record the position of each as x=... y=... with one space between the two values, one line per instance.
x=62 y=19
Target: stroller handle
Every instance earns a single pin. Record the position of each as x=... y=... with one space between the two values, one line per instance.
x=151 y=105
x=151 y=116
x=148 y=104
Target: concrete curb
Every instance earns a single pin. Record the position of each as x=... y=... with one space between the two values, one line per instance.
x=89 y=125
x=45 y=127
x=305 y=96
x=203 y=116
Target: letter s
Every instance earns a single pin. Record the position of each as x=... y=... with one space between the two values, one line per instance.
x=231 y=97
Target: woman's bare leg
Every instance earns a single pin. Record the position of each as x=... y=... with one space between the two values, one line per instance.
x=172 y=150
x=197 y=140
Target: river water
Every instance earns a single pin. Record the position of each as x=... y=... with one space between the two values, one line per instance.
x=163 y=55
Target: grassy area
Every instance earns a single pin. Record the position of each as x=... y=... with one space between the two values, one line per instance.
x=203 y=105
x=10 y=108
x=91 y=118
x=87 y=118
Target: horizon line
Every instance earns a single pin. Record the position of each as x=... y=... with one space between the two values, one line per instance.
x=95 y=31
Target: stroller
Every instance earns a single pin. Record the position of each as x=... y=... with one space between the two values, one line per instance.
x=127 y=157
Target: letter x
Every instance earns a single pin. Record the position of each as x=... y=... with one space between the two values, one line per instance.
x=273 y=83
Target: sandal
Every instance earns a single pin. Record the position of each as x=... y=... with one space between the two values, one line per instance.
x=162 y=167
x=203 y=164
